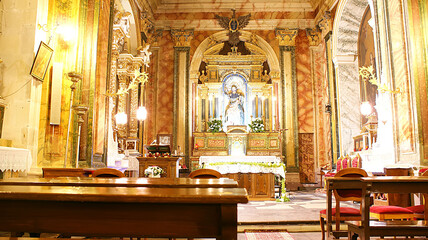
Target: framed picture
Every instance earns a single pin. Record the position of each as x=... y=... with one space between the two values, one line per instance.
x=164 y=139
x=41 y=61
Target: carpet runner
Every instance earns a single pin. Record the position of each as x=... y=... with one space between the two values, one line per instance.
x=267 y=235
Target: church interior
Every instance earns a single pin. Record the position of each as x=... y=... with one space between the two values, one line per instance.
x=293 y=89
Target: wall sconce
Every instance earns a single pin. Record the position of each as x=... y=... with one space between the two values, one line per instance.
x=366 y=108
x=121 y=118
x=327 y=108
x=141 y=113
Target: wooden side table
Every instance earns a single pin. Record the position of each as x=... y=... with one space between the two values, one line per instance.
x=168 y=164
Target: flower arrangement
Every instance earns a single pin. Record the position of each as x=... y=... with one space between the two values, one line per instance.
x=215 y=125
x=257 y=125
x=153 y=171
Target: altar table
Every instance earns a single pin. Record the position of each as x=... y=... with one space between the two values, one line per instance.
x=15 y=159
x=168 y=212
x=221 y=164
x=255 y=173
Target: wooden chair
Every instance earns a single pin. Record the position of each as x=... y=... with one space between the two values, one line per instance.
x=205 y=173
x=344 y=213
x=108 y=173
x=356 y=161
x=346 y=162
x=339 y=164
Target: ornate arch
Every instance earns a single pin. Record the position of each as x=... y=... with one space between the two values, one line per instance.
x=222 y=36
x=345 y=56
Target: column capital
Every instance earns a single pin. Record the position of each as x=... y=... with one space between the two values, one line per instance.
x=286 y=36
x=313 y=35
x=181 y=37
x=326 y=23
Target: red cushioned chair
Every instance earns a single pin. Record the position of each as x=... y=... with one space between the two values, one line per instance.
x=356 y=161
x=344 y=213
x=421 y=211
x=346 y=162
x=382 y=213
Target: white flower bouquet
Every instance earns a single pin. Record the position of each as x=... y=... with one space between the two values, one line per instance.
x=153 y=171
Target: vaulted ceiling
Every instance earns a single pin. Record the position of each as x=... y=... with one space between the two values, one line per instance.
x=265 y=14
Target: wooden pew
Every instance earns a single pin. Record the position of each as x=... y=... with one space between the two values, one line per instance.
x=122 y=182
x=121 y=211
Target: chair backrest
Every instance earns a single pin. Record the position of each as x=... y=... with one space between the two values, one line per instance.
x=205 y=173
x=339 y=164
x=356 y=161
x=345 y=162
x=349 y=194
x=108 y=173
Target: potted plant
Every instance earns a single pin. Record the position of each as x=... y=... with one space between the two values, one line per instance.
x=215 y=125
x=153 y=172
x=257 y=125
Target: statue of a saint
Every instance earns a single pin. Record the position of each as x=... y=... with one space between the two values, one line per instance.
x=234 y=112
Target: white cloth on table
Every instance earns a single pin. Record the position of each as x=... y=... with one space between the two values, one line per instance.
x=238 y=164
x=15 y=159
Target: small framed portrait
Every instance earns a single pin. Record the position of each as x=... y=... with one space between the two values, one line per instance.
x=164 y=139
x=41 y=61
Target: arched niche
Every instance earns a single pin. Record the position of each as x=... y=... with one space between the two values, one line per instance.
x=219 y=37
x=346 y=28
x=133 y=34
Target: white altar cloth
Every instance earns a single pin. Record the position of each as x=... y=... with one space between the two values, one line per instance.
x=15 y=159
x=243 y=164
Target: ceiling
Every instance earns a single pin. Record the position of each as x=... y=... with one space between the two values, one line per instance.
x=265 y=14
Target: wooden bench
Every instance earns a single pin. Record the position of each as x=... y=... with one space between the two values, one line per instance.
x=122 y=211
x=388 y=228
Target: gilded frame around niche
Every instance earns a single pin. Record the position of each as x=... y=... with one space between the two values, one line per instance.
x=41 y=61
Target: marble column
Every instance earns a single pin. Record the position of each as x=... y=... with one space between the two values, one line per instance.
x=288 y=101
x=182 y=100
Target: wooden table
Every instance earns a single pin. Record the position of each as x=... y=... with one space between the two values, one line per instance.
x=383 y=184
x=123 y=182
x=121 y=211
x=168 y=164
x=66 y=172
x=388 y=184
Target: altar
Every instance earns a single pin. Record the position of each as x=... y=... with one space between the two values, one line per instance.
x=255 y=173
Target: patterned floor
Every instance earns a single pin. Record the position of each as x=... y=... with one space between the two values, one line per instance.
x=304 y=206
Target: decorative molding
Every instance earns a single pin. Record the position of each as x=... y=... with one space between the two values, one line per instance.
x=182 y=38
x=286 y=37
x=313 y=35
x=326 y=23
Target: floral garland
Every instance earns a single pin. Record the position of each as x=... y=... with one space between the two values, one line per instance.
x=257 y=125
x=283 y=197
x=215 y=125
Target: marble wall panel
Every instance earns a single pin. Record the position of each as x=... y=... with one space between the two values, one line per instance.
x=401 y=76
x=305 y=104
x=321 y=99
x=348 y=104
x=101 y=76
x=164 y=117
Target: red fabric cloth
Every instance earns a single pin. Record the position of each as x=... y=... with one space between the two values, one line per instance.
x=422 y=170
x=389 y=209
x=417 y=208
x=344 y=211
x=330 y=174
